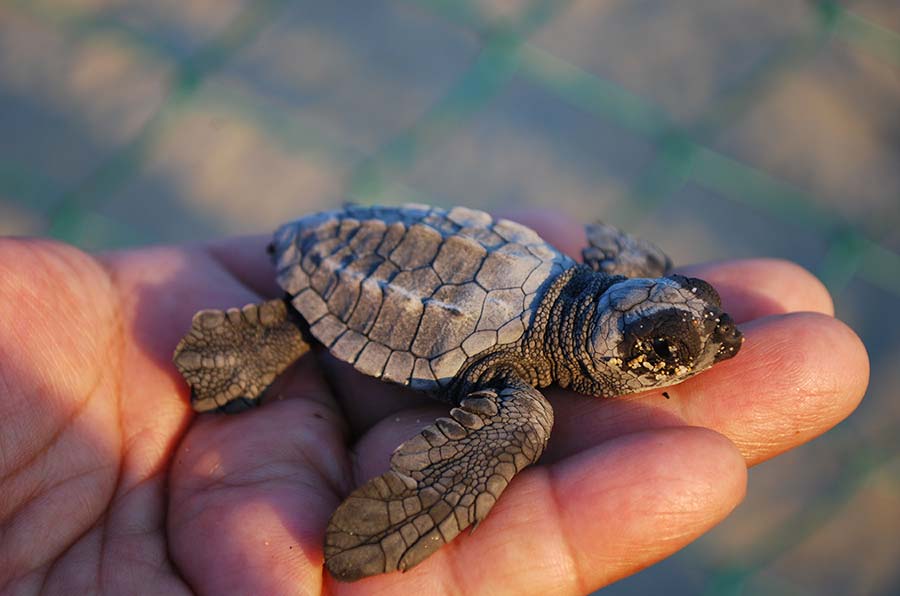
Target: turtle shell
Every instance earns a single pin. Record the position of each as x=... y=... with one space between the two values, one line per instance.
x=408 y=294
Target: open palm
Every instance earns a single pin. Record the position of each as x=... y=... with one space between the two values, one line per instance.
x=108 y=481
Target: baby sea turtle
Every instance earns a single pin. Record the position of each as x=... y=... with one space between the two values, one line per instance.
x=477 y=312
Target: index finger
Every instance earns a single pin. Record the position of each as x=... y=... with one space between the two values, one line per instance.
x=797 y=376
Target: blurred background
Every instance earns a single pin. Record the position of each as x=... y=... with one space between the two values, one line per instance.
x=718 y=128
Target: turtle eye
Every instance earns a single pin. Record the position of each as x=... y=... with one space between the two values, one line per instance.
x=668 y=338
x=664 y=349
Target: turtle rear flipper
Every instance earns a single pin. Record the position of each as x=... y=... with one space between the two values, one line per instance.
x=615 y=252
x=229 y=357
x=441 y=481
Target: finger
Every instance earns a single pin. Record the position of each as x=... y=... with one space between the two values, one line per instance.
x=251 y=494
x=565 y=233
x=755 y=288
x=245 y=257
x=587 y=521
x=796 y=376
x=162 y=288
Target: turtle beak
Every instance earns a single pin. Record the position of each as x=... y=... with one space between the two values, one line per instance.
x=729 y=338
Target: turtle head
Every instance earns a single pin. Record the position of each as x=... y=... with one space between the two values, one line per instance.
x=651 y=333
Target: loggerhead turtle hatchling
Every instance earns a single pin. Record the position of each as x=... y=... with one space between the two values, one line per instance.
x=477 y=312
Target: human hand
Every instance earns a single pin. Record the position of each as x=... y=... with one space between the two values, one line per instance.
x=109 y=482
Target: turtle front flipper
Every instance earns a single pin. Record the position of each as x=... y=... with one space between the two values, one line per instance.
x=615 y=252
x=229 y=357
x=441 y=481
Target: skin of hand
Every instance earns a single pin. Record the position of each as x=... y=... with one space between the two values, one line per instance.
x=109 y=483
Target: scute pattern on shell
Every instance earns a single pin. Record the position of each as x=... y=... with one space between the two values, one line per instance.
x=409 y=293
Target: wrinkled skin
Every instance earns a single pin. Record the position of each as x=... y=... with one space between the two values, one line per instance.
x=110 y=483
